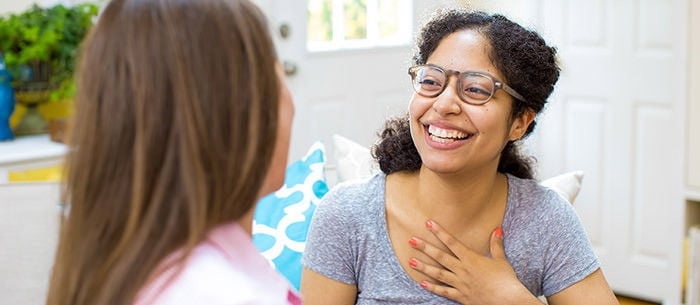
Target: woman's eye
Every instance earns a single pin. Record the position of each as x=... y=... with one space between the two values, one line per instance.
x=430 y=84
x=476 y=92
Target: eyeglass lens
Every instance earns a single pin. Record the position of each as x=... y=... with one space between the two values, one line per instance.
x=474 y=88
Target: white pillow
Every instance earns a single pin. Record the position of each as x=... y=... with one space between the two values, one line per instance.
x=567 y=185
x=355 y=161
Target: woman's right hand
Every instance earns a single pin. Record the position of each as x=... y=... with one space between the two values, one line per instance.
x=468 y=277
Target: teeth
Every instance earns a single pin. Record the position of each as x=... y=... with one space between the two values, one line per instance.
x=441 y=140
x=436 y=132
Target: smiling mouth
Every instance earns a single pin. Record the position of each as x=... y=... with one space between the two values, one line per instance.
x=445 y=135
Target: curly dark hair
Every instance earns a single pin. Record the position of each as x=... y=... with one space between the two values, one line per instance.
x=528 y=64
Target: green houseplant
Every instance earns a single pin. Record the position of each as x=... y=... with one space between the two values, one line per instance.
x=39 y=46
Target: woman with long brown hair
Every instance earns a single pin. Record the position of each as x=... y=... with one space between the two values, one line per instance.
x=182 y=123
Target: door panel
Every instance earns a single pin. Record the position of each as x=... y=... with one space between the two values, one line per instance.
x=621 y=99
x=617 y=114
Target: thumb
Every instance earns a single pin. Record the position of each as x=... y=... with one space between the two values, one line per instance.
x=497 y=250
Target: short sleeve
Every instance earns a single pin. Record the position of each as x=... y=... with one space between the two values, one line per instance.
x=569 y=255
x=329 y=249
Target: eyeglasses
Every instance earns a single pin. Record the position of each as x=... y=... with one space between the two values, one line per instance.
x=473 y=87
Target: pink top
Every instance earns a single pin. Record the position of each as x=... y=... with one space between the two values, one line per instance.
x=225 y=268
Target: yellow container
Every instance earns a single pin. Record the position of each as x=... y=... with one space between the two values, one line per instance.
x=44 y=174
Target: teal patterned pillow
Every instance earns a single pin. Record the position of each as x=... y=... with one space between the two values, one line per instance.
x=282 y=219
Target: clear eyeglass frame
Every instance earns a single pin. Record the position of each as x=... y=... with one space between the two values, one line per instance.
x=461 y=76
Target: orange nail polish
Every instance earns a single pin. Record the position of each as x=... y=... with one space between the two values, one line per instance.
x=413 y=262
x=499 y=232
x=413 y=242
x=429 y=224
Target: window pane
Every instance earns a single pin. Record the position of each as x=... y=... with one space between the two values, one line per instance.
x=389 y=18
x=352 y=24
x=355 y=19
x=320 y=22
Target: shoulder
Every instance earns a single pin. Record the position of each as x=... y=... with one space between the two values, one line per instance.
x=536 y=210
x=208 y=277
x=348 y=199
x=358 y=188
x=348 y=209
x=529 y=197
x=205 y=276
x=544 y=238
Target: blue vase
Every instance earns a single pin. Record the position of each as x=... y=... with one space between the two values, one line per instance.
x=7 y=102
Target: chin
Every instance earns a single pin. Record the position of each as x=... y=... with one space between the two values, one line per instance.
x=440 y=167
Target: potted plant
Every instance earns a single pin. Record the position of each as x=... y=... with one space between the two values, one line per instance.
x=39 y=46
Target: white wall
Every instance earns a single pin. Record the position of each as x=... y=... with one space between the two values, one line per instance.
x=15 y=6
x=524 y=12
x=693 y=153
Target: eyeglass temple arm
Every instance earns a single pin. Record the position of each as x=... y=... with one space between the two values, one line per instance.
x=512 y=92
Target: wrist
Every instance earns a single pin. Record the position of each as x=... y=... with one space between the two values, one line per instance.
x=521 y=295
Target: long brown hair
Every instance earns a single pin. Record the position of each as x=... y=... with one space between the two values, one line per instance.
x=176 y=108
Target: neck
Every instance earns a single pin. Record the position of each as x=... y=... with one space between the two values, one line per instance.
x=246 y=221
x=455 y=199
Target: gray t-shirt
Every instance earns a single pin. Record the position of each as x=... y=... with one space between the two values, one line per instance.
x=348 y=242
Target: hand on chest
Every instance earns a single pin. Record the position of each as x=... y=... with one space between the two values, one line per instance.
x=406 y=228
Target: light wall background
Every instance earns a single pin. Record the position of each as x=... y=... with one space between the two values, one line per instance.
x=12 y=6
x=693 y=171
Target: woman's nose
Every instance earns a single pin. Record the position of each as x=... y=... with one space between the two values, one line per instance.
x=448 y=102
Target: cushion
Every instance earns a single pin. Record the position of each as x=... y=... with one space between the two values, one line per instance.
x=282 y=218
x=355 y=161
x=566 y=185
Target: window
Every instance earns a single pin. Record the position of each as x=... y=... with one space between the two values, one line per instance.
x=349 y=24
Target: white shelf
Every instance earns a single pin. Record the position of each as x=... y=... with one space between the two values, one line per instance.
x=29 y=152
x=692 y=194
x=30 y=148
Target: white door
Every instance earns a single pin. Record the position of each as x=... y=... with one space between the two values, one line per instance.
x=349 y=90
x=618 y=114
x=620 y=118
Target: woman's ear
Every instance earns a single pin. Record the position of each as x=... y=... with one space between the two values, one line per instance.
x=520 y=124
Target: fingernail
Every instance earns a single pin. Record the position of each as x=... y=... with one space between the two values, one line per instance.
x=413 y=262
x=424 y=284
x=429 y=224
x=499 y=232
x=413 y=242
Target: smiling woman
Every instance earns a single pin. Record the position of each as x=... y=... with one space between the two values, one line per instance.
x=456 y=217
